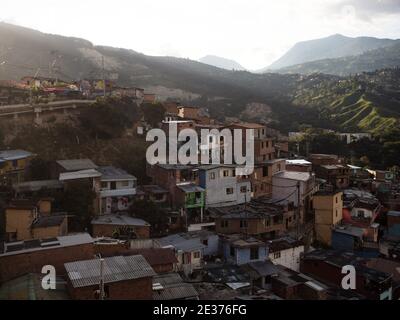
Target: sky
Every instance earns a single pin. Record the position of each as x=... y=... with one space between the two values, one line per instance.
x=252 y=32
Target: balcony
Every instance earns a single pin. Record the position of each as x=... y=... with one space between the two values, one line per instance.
x=117 y=192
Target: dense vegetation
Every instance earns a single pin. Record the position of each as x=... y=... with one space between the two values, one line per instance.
x=102 y=133
x=368 y=102
x=381 y=152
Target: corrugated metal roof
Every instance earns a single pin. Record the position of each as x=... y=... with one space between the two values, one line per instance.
x=14 y=154
x=114 y=219
x=112 y=173
x=180 y=243
x=83 y=174
x=77 y=164
x=190 y=187
x=87 y=273
x=171 y=287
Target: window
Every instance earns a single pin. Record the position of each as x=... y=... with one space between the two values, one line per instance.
x=265 y=171
x=196 y=255
x=224 y=223
x=360 y=213
x=104 y=185
x=229 y=190
x=212 y=175
x=226 y=173
x=279 y=167
x=243 y=224
x=277 y=255
x=243 y=189
x=205 y=242
x=124 y=183
x=254 y=254
x=232 y=251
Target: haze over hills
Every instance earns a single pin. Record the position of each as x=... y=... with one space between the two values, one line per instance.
x=221 y=62
x=386 y=57
x=335 y=46
x=282 y=100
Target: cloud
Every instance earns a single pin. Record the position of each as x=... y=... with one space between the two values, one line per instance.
x=367 y=9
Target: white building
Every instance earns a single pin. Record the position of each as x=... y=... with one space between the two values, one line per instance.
x=354 y=137
x=116 y=190
x=286 y=252
x=223 y=187
x=284 y=186
x=189 y=251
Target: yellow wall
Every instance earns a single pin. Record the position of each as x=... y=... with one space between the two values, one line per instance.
x=328 y=213
x=8 y=166
x=45 y=207
x=50 y=232
x=19 y=221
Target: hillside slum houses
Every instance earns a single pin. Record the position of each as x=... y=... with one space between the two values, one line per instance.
x=198 y=231
x=33 y=88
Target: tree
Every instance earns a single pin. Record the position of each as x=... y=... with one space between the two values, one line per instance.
x=153 y=113
x=108 y=119
x=150 y=212
x=78 y=200
x=39 y=169
x=1 y=138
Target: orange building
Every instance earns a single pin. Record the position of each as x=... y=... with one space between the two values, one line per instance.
x=27 y=220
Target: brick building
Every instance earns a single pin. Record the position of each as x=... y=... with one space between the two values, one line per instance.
x=125 y=278
x=19 y=258
x=327 y=266
x=120 y=226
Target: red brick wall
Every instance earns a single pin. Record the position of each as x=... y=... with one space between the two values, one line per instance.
x=19 y=264
x=111 y=250
x=393 y=220
x=163 y=268
x=332 y=275
x=137 y=289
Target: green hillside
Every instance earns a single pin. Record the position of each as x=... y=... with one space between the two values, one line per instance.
x=367 y=102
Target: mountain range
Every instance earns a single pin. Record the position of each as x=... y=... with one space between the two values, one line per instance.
x=332 y=47
x=220 y=62
x=284 y=99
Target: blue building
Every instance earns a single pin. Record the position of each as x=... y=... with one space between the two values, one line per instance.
x=239 y=250
x=347 y=238
x=393 y=222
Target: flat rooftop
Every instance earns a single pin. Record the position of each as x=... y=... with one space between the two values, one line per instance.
x=77 y=164
x=20 y=247
x=119 y=220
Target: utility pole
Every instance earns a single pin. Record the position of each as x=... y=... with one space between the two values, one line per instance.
x=298 y=210
x=104 y=76
x=101 y=278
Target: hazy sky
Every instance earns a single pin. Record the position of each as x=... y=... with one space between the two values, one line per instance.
x=252 y=32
